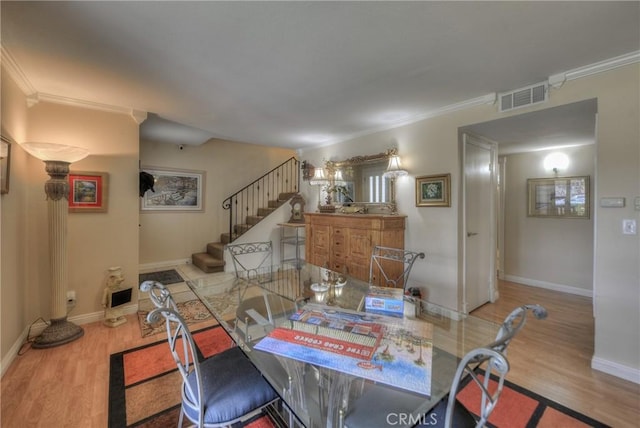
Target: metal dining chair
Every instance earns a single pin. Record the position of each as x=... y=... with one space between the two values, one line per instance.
x=375 y=406
x=392 y=265
x=513 y=323
x=252 y=260
x=218 y=391
x=450 y=412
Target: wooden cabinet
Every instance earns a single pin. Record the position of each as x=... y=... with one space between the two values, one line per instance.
x=344 y=242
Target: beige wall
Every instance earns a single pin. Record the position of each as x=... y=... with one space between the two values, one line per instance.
x=15 y=308
x=551 y=252
x=96 y=241
x=432 y=147
x=229 y=166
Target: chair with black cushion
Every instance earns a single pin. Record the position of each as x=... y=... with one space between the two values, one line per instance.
x=450 y=412
x=393 y=265
x=218 y=391
x=512 y=325
x=374 y=407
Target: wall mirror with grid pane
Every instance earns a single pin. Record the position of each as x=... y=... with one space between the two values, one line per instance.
x=564 y=197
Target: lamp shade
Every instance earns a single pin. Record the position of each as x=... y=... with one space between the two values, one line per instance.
x=394 y=169
x=55 y=152
x=318 y=178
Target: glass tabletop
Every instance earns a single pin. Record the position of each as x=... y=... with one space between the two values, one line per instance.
x=324 y=342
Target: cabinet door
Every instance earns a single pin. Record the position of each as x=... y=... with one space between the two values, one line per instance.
x=320 y=245
x=360 y=241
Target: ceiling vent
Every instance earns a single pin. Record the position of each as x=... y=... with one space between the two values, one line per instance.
x=523 y=97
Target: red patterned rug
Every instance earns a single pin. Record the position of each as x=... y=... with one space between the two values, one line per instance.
x=193 y=311
x=144 y=384
x=521 y=408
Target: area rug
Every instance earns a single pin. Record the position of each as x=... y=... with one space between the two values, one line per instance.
x=144 y=383
x=520 y=408
x=165 y=277
x=193 y=312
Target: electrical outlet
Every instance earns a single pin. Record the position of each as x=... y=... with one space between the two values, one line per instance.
x=629 y=227
x=71 y=296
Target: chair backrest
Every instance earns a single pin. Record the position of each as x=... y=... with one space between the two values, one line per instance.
x=252 y=260
x=393 y=265
x=513 y=323
x=159 y=294
x=491 y=362
x=184 y=353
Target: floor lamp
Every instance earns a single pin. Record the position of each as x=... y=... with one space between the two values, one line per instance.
x=57 y=158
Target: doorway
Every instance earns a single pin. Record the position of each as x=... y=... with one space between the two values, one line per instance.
x=555 y=254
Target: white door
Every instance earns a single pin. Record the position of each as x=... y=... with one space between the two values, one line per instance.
x=479 y=222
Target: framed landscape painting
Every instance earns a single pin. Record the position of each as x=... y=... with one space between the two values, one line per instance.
x=174 y=190
x=433 y=190
x=88 y=192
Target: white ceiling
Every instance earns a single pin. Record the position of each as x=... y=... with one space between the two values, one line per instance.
x=301 y=74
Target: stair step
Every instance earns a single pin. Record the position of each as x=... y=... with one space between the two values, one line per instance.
x=263 y=212
x=242 y=228
x=274 y=204
x=225 y=238
x=285 y=196
x=207 y=263
x=254 y=219
x=216 y=250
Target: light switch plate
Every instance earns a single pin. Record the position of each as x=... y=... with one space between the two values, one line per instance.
x=612 y=202
x=637 y=203
x=629 y=226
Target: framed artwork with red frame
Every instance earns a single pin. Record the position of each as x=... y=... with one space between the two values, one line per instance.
x=88 y=192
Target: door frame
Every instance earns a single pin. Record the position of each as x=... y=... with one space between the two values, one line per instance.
x=493 y=280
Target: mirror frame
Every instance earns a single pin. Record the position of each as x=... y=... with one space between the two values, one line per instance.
x=331 y=166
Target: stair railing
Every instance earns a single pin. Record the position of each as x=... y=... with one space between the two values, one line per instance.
x=285 y=178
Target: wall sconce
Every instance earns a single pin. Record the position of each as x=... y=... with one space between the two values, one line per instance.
x=394 y=170
x=57 y=158
x=319 y=179
x=556 y=161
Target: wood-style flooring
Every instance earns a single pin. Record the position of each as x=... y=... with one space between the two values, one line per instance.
x=67 y=386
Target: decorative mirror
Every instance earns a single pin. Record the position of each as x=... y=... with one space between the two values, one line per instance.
x=359 y=182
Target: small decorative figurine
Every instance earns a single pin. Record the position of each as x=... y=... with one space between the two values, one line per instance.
x=114 y=297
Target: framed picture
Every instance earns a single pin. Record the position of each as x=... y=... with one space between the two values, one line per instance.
x=5 y=163
x=433 y=190
x=174 y=190
x=88 y=192
x=563 y=197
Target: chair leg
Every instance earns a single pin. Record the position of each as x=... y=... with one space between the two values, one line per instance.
x=181 y=417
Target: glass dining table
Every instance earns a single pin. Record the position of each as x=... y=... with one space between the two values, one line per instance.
x=336 y=358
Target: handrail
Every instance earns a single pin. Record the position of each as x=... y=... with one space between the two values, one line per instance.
x=284 y=178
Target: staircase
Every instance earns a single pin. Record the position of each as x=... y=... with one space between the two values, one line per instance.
x=248 y=207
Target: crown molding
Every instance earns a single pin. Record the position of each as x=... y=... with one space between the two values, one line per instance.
x=11 y=66
x=557 y=80
x=482 y=100
x=137 y=115
x=34 y=97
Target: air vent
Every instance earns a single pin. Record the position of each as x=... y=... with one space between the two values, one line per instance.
x=523 y=97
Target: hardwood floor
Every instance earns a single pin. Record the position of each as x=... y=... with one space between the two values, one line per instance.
x=68 y=386
x=552 y=357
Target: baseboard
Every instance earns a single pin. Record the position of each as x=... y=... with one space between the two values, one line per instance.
x=166 y=263
x=39 y=326
x=549 y=285
x=616 y=369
